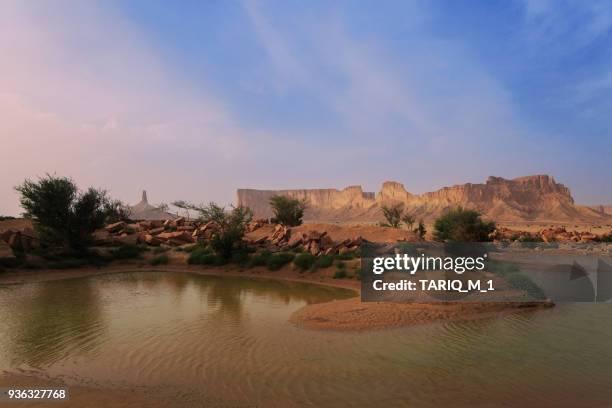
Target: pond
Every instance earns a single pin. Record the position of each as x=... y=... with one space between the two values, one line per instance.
x=196 y=340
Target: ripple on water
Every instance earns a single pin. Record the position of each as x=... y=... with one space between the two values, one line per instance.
x=227 y=340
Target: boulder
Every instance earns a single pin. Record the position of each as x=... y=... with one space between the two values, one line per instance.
x=5 y=251
x=156 y=231
x=326 y=242
x=314 y=248
x=131 y=239
x=180 y=236
x=116 y=227
x=294 y=240
x=152 y=240
x=15 y=241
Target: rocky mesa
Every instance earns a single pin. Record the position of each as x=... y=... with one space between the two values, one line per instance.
x=537 y=198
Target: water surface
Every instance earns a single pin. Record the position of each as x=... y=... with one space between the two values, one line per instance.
x=195 y=339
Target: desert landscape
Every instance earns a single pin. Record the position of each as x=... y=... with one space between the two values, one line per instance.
x=261 y=203
x=152 y=243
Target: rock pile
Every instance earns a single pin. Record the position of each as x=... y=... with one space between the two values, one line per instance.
x=558 y=234
x=180 y=231
x=174 y=232
x=314 y=242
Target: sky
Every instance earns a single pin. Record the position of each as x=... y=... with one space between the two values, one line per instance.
x=191 y=100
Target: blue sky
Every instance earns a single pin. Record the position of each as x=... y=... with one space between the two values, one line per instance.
x=192 y=100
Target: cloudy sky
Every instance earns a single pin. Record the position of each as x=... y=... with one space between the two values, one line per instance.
x=192 y=100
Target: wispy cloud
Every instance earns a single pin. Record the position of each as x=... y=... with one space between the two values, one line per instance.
x=83 y=94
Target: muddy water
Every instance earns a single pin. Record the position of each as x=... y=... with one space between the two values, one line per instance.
x=196 y=340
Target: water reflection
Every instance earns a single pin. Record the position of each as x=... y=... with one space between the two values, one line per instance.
x=50 y=321
x=227 y=340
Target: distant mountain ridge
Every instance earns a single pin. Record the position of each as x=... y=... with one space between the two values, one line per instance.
x=530 y=198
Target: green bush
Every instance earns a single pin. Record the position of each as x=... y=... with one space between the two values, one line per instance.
x=64 y=216
x=230 y=225
x=259 y=259
x=160 y=260
x=6 y=217
x=340 y=274
x=241 y=257
x=340 y=265
x=304 y=261
x=287 y=211
x=393 y=215
x=277 y=261
x=347 y=256
x=324 y=261
x=197 y=256
x=461 y=225
x=127 y=252
x=606 y=238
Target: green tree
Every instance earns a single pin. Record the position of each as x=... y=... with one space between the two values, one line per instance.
x=287 y=211
x=229 y=226
x=393 y=215
x=461 y=225
x=62 y=215
x=408 y=220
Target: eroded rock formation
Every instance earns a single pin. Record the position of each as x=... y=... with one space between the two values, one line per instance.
x=531 y=198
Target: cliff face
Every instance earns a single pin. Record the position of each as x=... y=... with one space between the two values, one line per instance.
x=532 y=198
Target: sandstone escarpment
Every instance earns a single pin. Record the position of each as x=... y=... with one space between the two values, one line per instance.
x=531 y=198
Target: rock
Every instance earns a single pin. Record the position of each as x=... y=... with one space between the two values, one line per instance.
x=314 y=235
x=102 y=237
x=5 y=251
x=294 y=240
x=179 y=236
x=326 y=242
x=126 y=240
x=314 y=248
x=152 y=240
x=132 y=228
x=156 y=231
x=15 y=242
x=116 y=227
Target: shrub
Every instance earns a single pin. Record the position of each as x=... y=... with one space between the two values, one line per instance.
x=304 y=261
x=461 y=225
x=127 y=252
x=6 y=217
x=259 y=260
x=340 y=274
x=160 y=260
x=393 y=215
x=287 y=211
x=160 y=250
x=277 y=261
x=347 y=256
x=197 y=255
x=62 y=215
x=606 y=238
x=230 y=226
x=324 y=261
x=340 y=265
x=240 y=257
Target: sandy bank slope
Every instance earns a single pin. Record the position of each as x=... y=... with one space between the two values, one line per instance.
x=353 y=315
